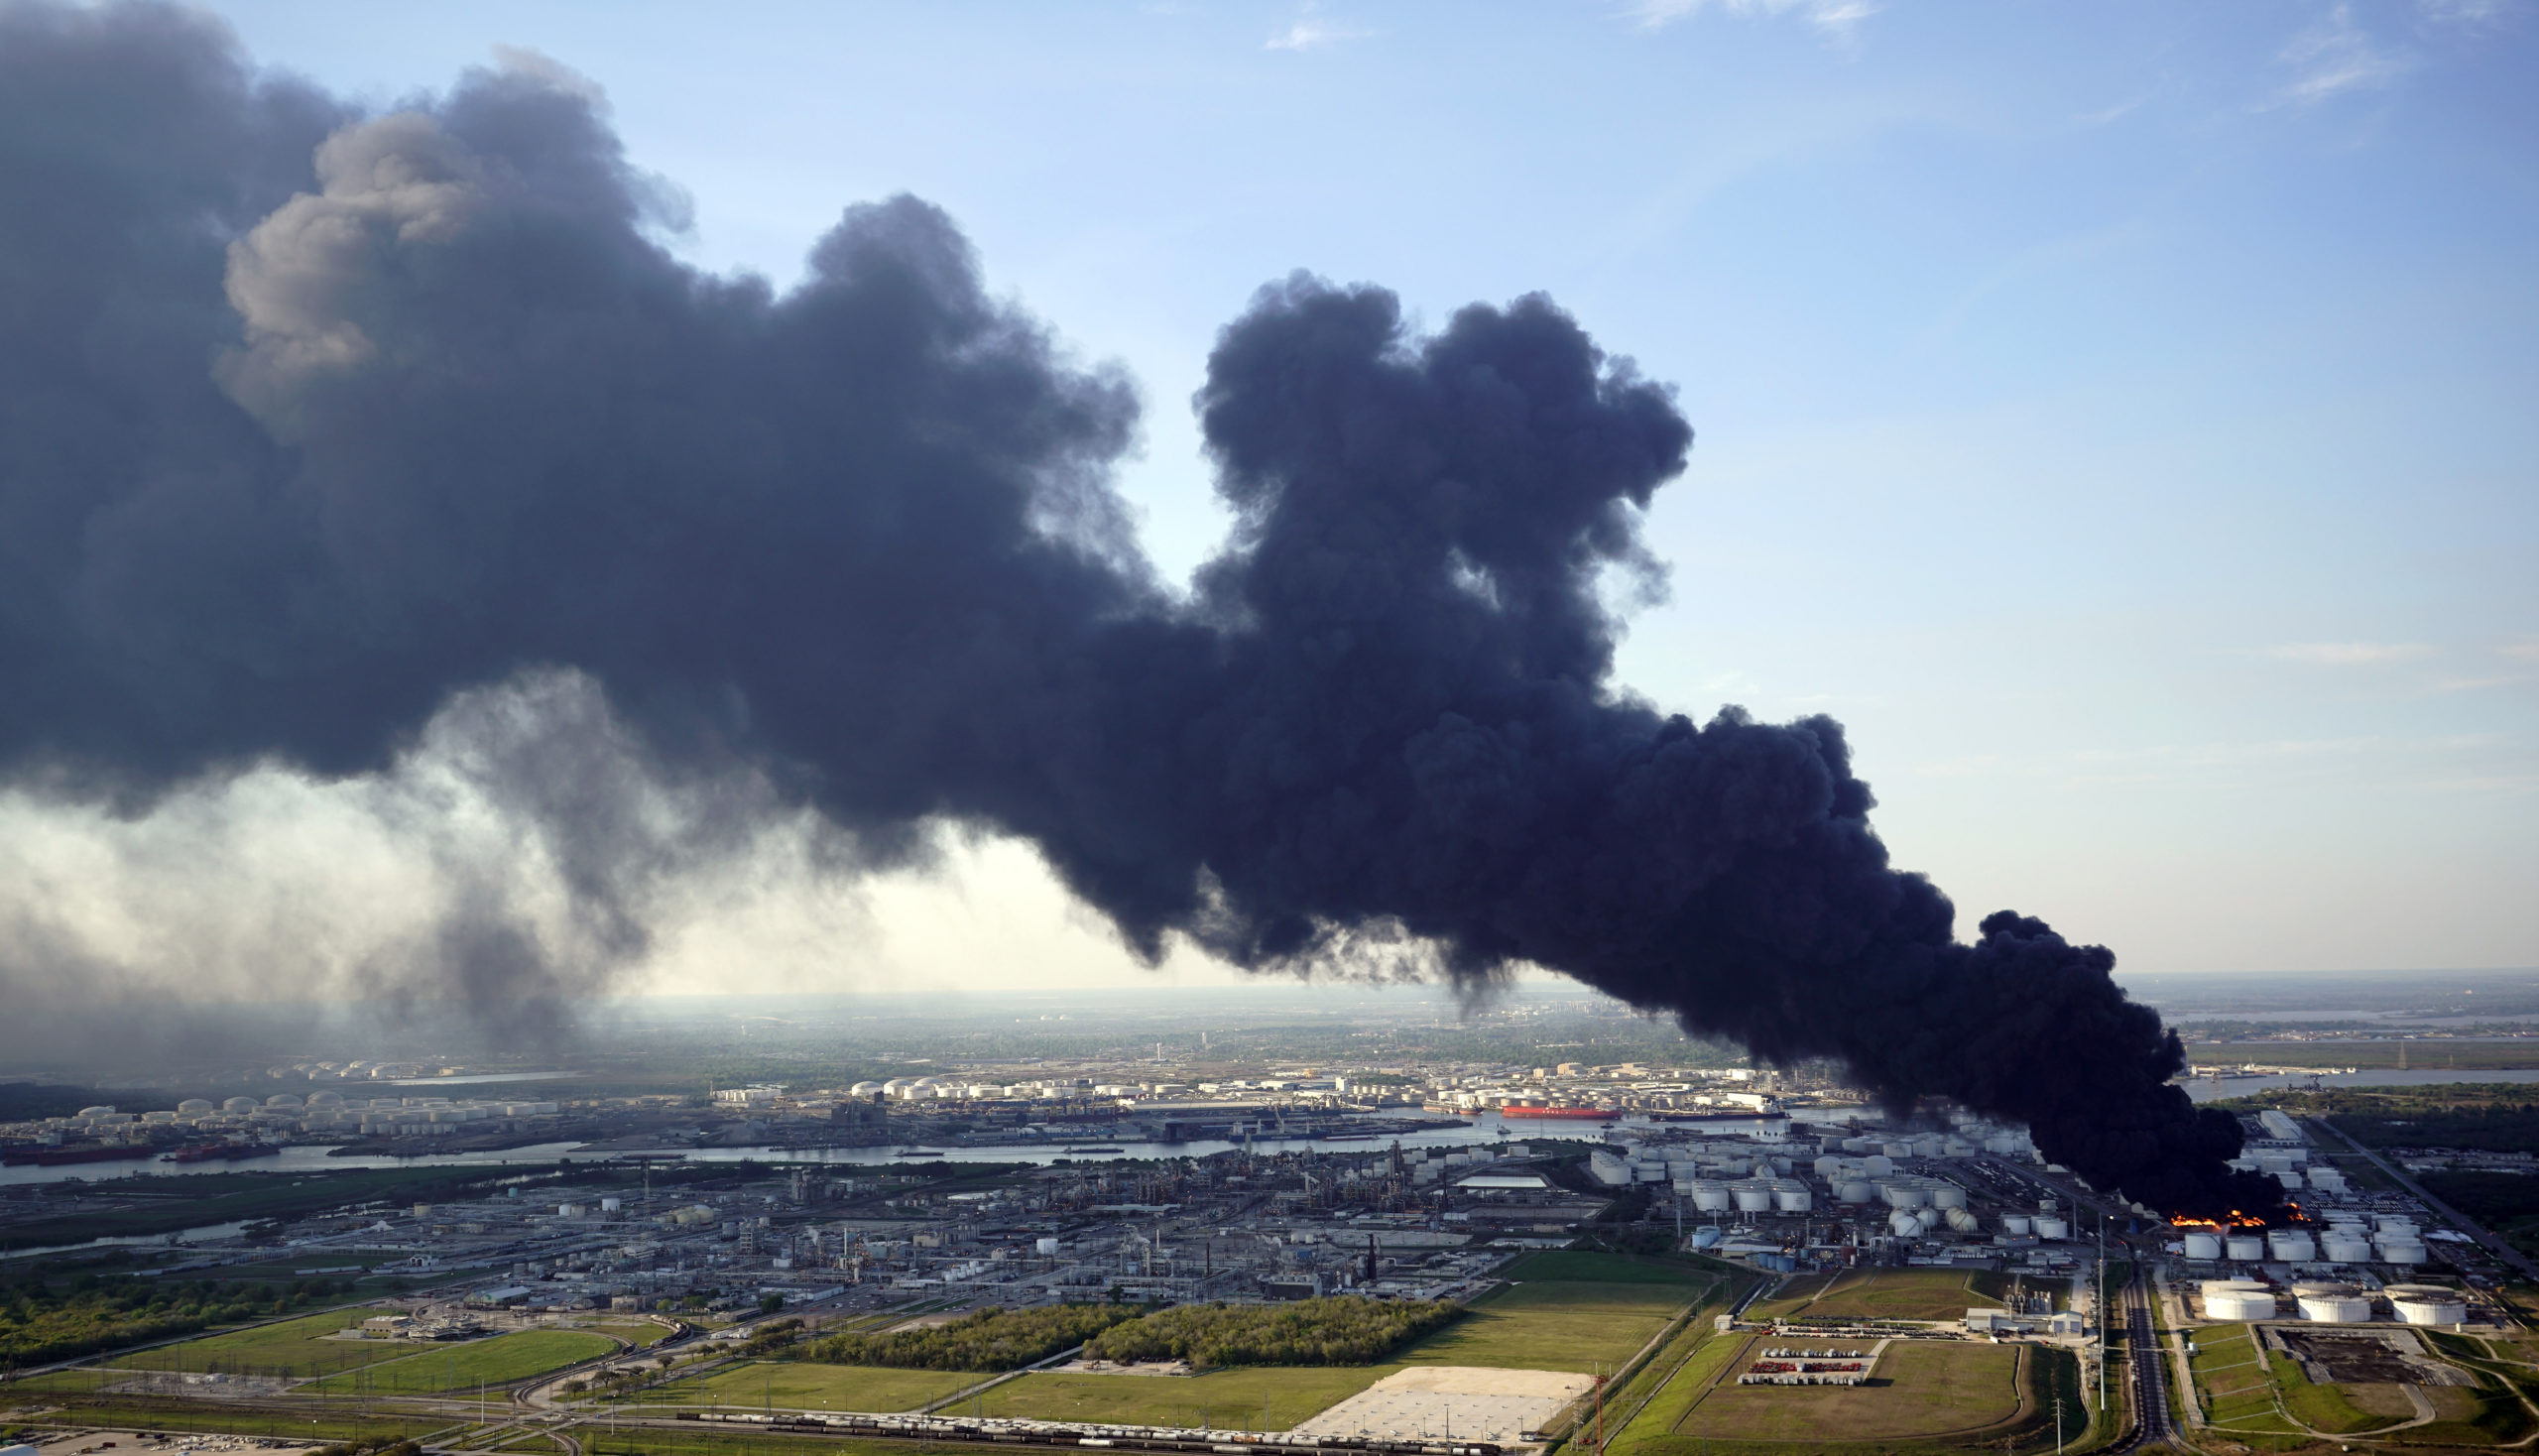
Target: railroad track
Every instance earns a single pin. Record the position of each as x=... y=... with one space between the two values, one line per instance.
x=2149 y=1368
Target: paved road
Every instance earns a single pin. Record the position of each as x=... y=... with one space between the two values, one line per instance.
x=2478 y=1231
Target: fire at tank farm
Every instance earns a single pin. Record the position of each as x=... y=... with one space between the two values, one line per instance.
x=1471 y=1280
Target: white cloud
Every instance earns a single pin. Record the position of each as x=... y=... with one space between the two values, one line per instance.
x=2336 y=57
x=1837 y=19
x=2524 y=651
x=1311 y=33
x=2348 y=653
x=2465 y=12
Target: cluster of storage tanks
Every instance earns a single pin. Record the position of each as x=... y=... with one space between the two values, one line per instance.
x=2348 y=1239
x=2331 y=1303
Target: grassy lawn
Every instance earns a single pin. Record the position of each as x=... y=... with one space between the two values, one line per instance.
x=791 y=1386
x=296 y=1348
x=1922 y=1389
x=322 y=1423
x=1227 y=1399
x=1554 y=1327
x=1886 y=1293
x=1667 y=1409
x=495 y=1361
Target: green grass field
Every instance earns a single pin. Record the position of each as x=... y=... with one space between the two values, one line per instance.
x=1567 y=1310
x=1923 y=1390
x=1886 y=1293
x=294 y=1348
x=495 y=1361
x=1226 y=1398
x=791 y=1386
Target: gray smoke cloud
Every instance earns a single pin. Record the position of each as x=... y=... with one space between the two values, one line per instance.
x=312 y=424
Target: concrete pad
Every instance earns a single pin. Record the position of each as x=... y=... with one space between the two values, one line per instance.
x=1467 y=1401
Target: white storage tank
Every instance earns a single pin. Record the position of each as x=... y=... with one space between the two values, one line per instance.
x=2327 y=1180
x=2333 y=1303
x=1877 y=1166
x=2291 y=1246
x=1753 y=1197
x=2246 y=1247
x=1904 y=1195
x=2016 y=1223
x=1855 y=1146
x=1828 y=1166
x=2238 y=1299
x=1905 y=1224
x=2393 y=1222
x=1947 y=1195
x=2203 y=1246
x=1896 y=1147
x=2347 y=1248
x=2427 y=1305
x=1856 y=1190
x=1791 y=1197
x=194 y=1107
x=2052 y=1228
x=1711 y=1196
x=1045 y=1248
x=2397 y=1249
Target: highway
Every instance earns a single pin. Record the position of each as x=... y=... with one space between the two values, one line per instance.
x=2478 y=1231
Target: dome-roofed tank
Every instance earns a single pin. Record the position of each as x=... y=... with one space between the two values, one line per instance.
x=196 y=1107
x=240 y=1104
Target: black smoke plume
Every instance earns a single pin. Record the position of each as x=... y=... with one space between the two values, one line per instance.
x=310 y=419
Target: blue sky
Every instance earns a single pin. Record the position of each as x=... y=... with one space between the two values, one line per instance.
x=2120 y=416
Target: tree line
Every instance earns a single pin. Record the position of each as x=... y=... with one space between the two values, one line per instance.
x=1345 y=1329
x=990 y=1339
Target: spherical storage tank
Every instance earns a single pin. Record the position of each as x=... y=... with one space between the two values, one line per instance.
x=2016 y=1223
x=2204 y=1246
x=1962 y=1220
x=2246 y=1246
x=2427 y=1305
x=2053 y=1227
x=1905 y=1224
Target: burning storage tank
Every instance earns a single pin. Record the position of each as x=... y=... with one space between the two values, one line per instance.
x=2238 y=1299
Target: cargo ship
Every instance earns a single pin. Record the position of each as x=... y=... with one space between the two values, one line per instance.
x=225 y=1152
x=59 y=1157
x=1579 y=1113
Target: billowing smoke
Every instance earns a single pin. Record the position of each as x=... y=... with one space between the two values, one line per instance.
x=313 y=421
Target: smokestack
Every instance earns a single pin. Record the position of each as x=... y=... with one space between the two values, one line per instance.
x=313 y=421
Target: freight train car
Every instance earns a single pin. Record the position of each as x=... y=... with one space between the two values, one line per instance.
x=1123 y=1437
